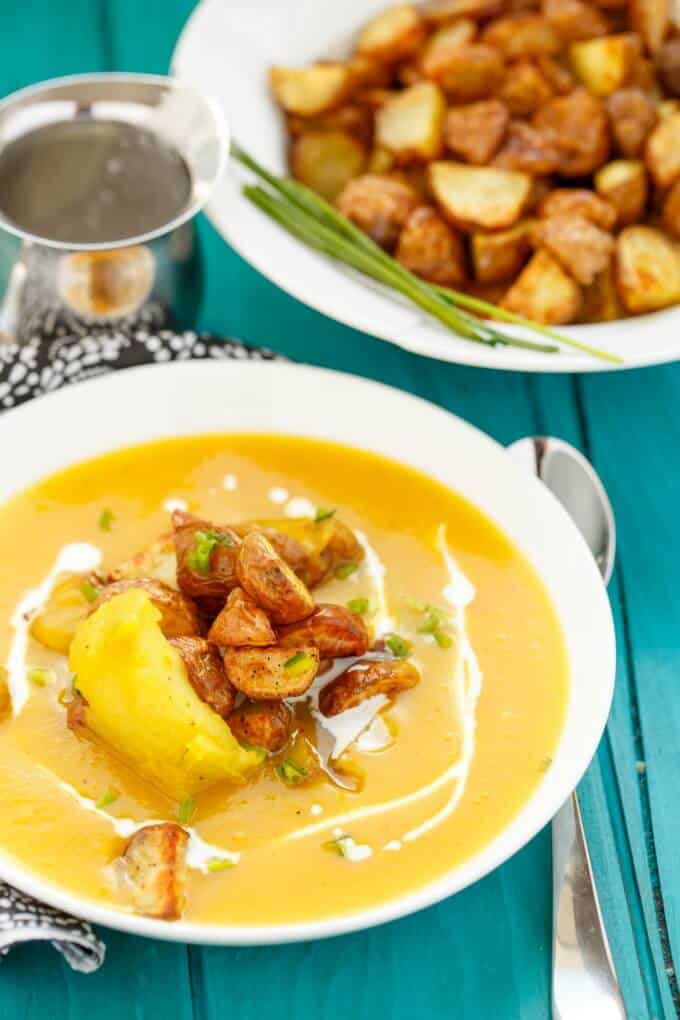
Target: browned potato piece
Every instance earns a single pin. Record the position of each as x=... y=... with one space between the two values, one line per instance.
x=442 y=11
x=524 y=88
x=379 y=205
x=579 y=202
x=393 y=34
x=624 y=183
x=334 y=630
x=559 y=78
x=606 y=64
x=522 y=35
x=343 y=545
x=380 y=161
x=365 y=680
x=544 y=292
x=410 y=125
x=5 y=699
x=575 y=19
x=326 y=160
x=374 y=99
x=500 y=255
x=479 y=197
x=601 y=299
x=242 y=622
x=351 y=119
x=668 y=66
x=206 y=674
x=651 y=19
x=429 y=247
x=647 y=269
x=474 y=132
x=409 y=73
x=158 y=560
x=670 y=216
x=471 y=72
x=577 y=125
x=582 y=248
x=178 y=613
x=210 y=579
x=312 y=548
x=367 y=72
x=269 y=580
x=156 y=869
x=272 y=673
x=442 y=43
x=662 y=151
x=309 y=91
x=527 y=149
x=632 y=115
x=266 y=724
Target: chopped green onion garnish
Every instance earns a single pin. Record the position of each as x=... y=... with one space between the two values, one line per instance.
x=290 y=772
x=435 y=620
x=344 y=570
x=106 y=519
x=220 y=864
x=443 y=639
x=415 y=605
x=40 y=677
x=186 y=810
x=298 y=664
x=546 y=762
x=340 y=846
x=399 y=646
x=89 y=591
x=359 y=606
x=323 y=515
x=198 y=558
x=111 y=794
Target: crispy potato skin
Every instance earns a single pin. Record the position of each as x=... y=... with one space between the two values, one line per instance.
x=268 y=579
x=470 y=72
x=364 y=680
x=179 y=617
x=221 y=577
x=499 y=255
x=429 y=247
x=311 y=548
x=647 y=269
x=651 y=19
x=379 y=205
x=575 y=20
x=351 y=119
x=624 y=184
x=662 y=151
x=326 y=160
x=527 y=150
x=583 y=249
x=577 y=125
x=155 y=864
x=525 y=89
x=265 y=724
x=559 y=78
x=310 y=91
x=260 y=673
x=579 y=202
x=206 y=673
x=241 y=622
x=475 y=132
x=601 y=301
x=670 y=216
x=333 y=629
x=668 y=66
x=544 y=292
x=523 y=35
x=632 y=116
x=439 y=12
x=393 y=34
x=437 y=52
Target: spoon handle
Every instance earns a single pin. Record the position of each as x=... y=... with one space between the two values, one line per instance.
x=585 y=986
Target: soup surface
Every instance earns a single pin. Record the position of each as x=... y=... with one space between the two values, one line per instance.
x=429 y=774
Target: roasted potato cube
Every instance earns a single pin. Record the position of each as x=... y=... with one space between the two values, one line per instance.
x=312 y=548
x=178 y=613
x=439 y=12
x=583 y=249
x=651 y=19
x=670 y=216
x=632 y=115
x=158 y=560
x=409 y=73
x=522 y=35
x=575 y=20
x=579 y=202
x=326 y=160
x=429 y=247
x=524 y=88
x=606 y=64
x=577 y=125
x=668 y=66
x=351 y=119
x=266 y=724
x=343 y=545
x=479 y=197
x=334 y=630
x=662 y=152
x=309 y=91
x=379 y=205
x=647 y=269
x=475 y=132
x=410 y=125
x=544 y=292
x=393 y=34
x=57 y=621
x=206 y=557
x=601 y=301
x=527 y=149
x=367 y=72
x=156 y=870
x=268 y=579
x=500 y=255
x=624 y=183
x=437 y=52
x=559 y=78
x=206 y=674
x=470 y=72
x=241 y=622
x=364 y=680
x=273 y=673
x=375 y=98
x=380 y=162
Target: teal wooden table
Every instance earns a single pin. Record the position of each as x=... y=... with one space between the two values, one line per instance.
x=485 y=953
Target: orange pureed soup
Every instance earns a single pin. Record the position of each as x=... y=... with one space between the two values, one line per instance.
x=430 y=774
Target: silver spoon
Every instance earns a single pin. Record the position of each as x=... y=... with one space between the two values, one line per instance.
x=584 y=982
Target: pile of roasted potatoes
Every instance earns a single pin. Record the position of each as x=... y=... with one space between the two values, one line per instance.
x=524 y=151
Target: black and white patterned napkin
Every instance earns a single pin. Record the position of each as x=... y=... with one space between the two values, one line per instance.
x=27 y=371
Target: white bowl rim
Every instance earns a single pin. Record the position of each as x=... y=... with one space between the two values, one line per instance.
x=176 y=377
